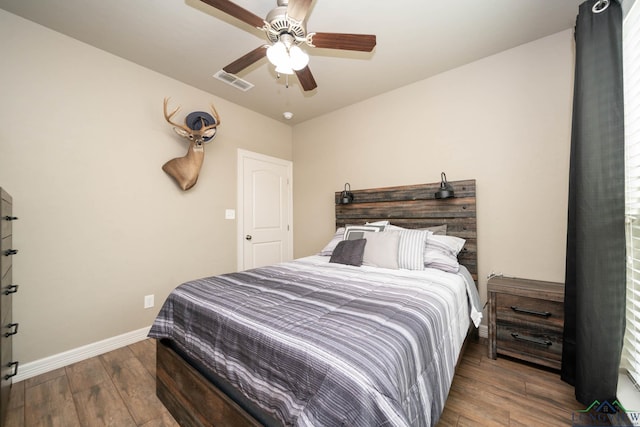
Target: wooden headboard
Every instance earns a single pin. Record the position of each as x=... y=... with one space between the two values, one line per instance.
x=415 y=206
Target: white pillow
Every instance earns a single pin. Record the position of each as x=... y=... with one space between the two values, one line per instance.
x=337 y=237
x=442 y=252
x=434 y=229
x=452 y=244
x=381 y=249
x=385 y=223
x=411 y=248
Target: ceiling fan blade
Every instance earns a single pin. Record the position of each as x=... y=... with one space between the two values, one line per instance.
x=360 y=42
x=236 y=11
x=298 y=9
x=246 y=60
x=306 y=79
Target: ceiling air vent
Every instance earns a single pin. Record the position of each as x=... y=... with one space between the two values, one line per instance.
x=232 y=80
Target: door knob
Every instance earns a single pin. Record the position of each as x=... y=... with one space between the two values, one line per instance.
x=248 y=237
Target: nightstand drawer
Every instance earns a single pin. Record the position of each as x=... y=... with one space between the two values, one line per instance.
x=526 y=319
x=534 y=345
x=530 y=311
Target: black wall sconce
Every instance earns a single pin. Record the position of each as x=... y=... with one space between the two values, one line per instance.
x=446 y=190
x=347 y=196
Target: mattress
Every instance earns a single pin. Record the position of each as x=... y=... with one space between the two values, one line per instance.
x=314 y=343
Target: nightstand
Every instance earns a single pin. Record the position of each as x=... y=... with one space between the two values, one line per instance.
x=526 y=320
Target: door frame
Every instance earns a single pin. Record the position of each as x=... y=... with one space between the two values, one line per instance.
x=242 y=155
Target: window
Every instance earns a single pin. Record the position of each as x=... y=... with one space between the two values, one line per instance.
x=631 y=59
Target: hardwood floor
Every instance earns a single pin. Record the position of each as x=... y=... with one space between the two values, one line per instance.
x=118 y=389
x=505 y=392
x=115 y=389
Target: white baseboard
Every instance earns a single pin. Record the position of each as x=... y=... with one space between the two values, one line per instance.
x=50 y=363
x=483 y=331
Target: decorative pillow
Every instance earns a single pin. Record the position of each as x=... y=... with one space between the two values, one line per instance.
x=440 y=230
x=349 y=252
x=411 y=248
x=353 y=232
x=381 y=249
x=442 y=252
x=337 y=237
x=380 y=225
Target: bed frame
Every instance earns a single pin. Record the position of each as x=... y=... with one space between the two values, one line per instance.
x=194 y=400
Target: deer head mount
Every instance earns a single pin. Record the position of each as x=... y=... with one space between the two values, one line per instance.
x=199 y=128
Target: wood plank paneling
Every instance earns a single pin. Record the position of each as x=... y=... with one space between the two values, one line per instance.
x=415 y=206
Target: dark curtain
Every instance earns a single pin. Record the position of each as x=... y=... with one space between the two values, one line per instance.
x=595 y=264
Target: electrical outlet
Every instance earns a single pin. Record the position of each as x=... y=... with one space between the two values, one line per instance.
x=230 y=214
x=148 y=301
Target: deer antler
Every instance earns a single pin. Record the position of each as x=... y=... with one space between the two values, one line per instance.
x=196 y=135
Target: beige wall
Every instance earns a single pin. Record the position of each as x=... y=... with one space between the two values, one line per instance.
x=82 y=143
x=504 y=120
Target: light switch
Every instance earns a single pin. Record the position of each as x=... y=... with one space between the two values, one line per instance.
x=230 y=214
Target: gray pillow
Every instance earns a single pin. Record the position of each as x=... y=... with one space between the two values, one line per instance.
x=382 y=249
x=438 y=230
x=349 y=252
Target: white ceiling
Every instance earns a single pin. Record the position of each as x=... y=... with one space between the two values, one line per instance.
x=189 y=41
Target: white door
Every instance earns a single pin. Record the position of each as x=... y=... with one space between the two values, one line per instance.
x=265 y=235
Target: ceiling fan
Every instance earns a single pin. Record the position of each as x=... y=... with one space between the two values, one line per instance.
x=285 y=29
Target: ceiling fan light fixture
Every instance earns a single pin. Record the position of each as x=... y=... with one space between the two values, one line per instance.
x=284 y=69
x=299 y=58
x=277 y=54
x=287 y=59
x=285 y=28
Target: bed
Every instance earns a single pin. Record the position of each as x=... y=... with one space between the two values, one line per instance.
x=314 y=342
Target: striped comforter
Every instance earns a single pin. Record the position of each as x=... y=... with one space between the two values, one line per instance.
x=321 y=344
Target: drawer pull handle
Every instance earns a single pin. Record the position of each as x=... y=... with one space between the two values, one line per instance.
x=11 y=289
x=13 y=365
x=531 y=340
x=10 y=252
x=10 y=218
x=13 y=326
x=532 y=312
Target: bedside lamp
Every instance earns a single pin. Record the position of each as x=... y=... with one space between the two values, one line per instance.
x=446 y=190
x=347 y=196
